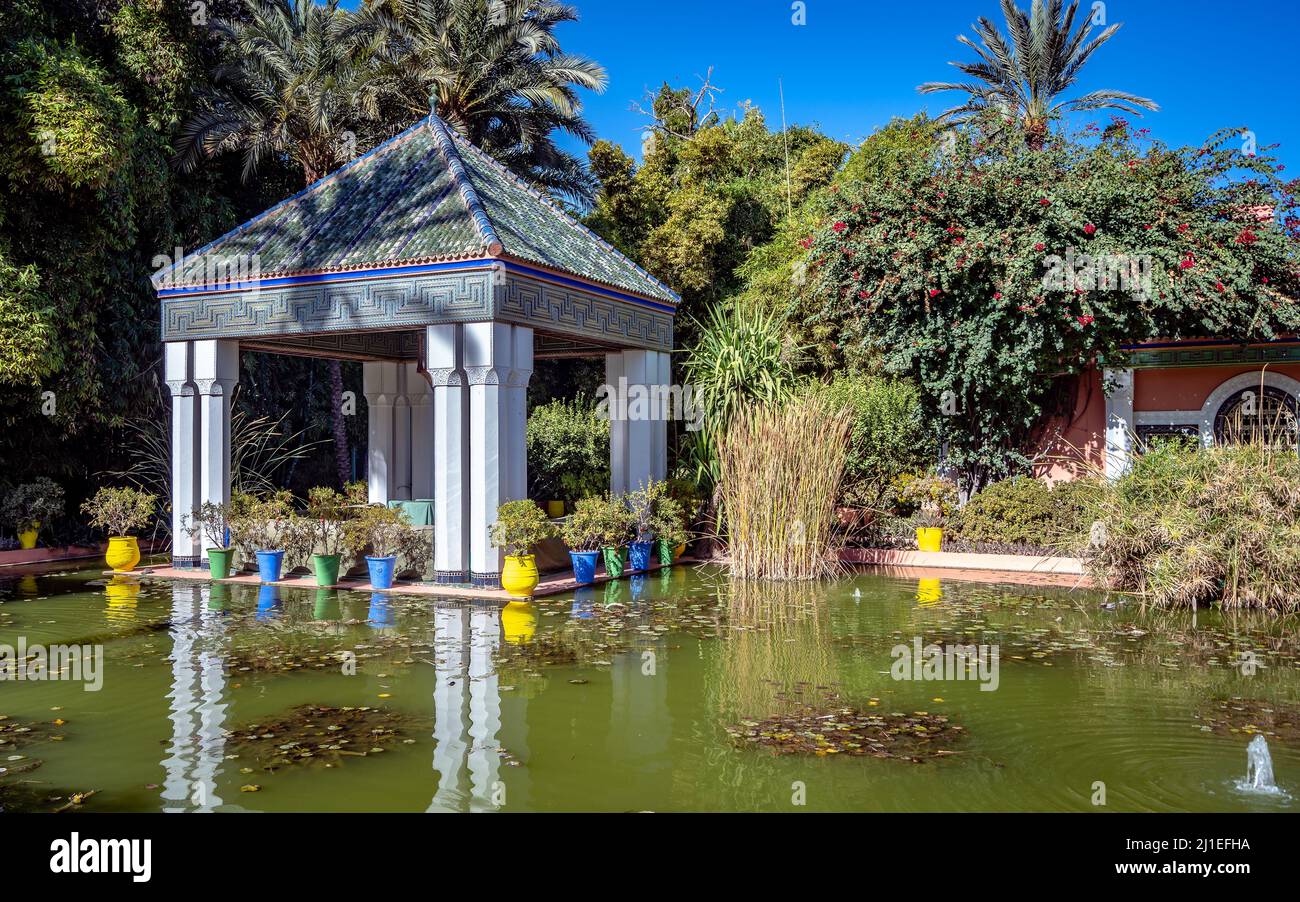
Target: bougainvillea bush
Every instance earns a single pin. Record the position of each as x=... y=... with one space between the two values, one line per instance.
x=991 y=272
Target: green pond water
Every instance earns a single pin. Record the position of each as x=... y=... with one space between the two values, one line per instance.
x=629 y=697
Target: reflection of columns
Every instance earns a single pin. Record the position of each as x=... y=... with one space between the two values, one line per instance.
x=198 y=712
x=179 y=367
x=1120 y=424
x=467 y=708
x=446 y=369
x=379 y=382
x=449 y=706
x=484 y=707
x=494 y=447
x=638 y=430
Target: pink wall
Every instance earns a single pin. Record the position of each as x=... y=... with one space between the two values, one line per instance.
x=1072 y=447
x=1186 y=388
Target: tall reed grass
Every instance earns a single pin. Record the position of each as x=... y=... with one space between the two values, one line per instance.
x=780 y=467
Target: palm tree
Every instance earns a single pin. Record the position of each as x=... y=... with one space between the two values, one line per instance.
x=496 y=73
x=1023 y=79
x=297 y=81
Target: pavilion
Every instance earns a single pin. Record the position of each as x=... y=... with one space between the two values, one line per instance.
x=448 y=277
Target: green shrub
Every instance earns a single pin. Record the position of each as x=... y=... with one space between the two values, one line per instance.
x=32 y=503
x=568 y=451
x=1025 y=511
x=1190 y=526
x=888 y=438
x=520 y=527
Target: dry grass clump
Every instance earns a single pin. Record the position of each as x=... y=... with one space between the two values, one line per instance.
x=781 y=466
x=1190 y=525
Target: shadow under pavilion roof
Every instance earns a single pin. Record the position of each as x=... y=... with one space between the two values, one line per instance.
x=424 y=196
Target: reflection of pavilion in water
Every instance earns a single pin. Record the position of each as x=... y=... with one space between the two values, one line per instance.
x=197 y=698
x=469 y=731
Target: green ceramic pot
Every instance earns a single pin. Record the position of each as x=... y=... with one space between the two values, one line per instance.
x=615 y=561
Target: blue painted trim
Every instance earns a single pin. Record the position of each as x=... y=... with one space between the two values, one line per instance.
x=390 y=272
x=583 y=285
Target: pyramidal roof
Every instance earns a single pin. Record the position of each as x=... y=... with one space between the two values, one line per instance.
x=424 y=196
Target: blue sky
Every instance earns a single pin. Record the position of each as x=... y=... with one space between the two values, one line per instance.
x=854 y=65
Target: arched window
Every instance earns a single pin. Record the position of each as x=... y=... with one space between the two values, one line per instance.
x=1254 y=415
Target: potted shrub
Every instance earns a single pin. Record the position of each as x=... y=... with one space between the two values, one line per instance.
x=30 y=506
x=212 y=522
x=617 y=522
x=584 y=533
x=382 y=529
x=933 y=496
x=259 y=524
x=327 y=512
x=669 y=525
x=520 y=527
x=642 y=504
x=121 y=512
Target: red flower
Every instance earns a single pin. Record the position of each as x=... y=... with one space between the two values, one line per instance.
x=1089 y=229
x=1148 y=227
x=1040 y=246
x=1085 y=320
x=1218 y=286
x=864 y=294
x=806 y=243
x=839 y=227
x=997 y=295
x=934 y=292
x=1043 y=202
x=1187 y=262
x=1183 y=228
x=1265 y=280
x=1247 y=237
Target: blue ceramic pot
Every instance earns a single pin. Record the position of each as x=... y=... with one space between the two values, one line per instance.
x=382 y=570
x=638 y=556
x=269 y=565
x=584 y=566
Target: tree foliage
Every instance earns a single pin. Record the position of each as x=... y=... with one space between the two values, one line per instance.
x=986 y=270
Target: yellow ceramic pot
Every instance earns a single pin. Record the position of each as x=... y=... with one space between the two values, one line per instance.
x=519 y=576
x=123 y=553
x=27 y=538
x=929 y=538
x=555 y=509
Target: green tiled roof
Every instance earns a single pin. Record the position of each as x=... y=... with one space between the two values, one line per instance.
x=424 y=196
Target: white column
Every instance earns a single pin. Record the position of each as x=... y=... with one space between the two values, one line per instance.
x=379 y=382
x=179 y=372
x=216 y=373
x=1120 y=423
x=449 y=732
x=659 y=448
x=641 y=372
x=401 y=482
x=489 y=348
x=615 y=384
x=445 y=365
x=420 y=397
x=521 y=371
